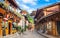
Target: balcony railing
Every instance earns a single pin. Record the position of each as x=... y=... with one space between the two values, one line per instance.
x=9 y=8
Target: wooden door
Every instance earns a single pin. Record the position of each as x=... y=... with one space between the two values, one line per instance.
x=58 y=27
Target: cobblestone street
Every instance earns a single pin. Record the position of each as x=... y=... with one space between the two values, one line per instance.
x=26 y=34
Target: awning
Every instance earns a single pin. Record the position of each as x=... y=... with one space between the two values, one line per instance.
x=47 y=16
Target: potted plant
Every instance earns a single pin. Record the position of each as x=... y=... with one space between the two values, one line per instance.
x=19 y=29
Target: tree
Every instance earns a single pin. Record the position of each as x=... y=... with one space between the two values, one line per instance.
x=30 y=19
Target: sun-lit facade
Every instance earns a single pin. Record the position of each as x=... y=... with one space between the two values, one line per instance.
x=48 y=19
x=9 y=17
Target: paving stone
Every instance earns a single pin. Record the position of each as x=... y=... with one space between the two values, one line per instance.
x=27 y=34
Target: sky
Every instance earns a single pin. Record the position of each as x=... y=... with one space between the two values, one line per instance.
x=31 y=5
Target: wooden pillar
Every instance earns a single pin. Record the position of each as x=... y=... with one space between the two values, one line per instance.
x=10 y=28
x=6 y=30
x=54 y=29
x=0 y=26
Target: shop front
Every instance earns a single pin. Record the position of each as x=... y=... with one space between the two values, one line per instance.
x=1 y=17
x=7 y=13
x=51 y=24
x=42 y=27
x=2 y=12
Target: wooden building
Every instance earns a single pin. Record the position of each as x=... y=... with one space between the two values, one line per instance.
x=24 y=12
x=48 y=19
x=9 y=17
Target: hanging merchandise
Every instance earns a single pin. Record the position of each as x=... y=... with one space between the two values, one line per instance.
x=14 y=24
x=49 y=26
x=6 y=24
x=2 y=23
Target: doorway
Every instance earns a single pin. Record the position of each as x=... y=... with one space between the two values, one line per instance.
x=58 y=27
x=10 y=27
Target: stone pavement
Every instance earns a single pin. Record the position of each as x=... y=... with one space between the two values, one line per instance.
x=27 y=34
x=11 y=36
x=48 y=36
x=30 y=34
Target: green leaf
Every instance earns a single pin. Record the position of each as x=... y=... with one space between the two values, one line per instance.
x=30 y=19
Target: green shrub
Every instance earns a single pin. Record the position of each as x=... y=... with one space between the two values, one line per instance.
x=19 y=28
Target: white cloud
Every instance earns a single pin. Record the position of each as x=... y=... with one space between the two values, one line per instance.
x=30 y=10
x=47 y=0
x=23 y=6
x=58 y=0
x=17 y=2
x=33 y=2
